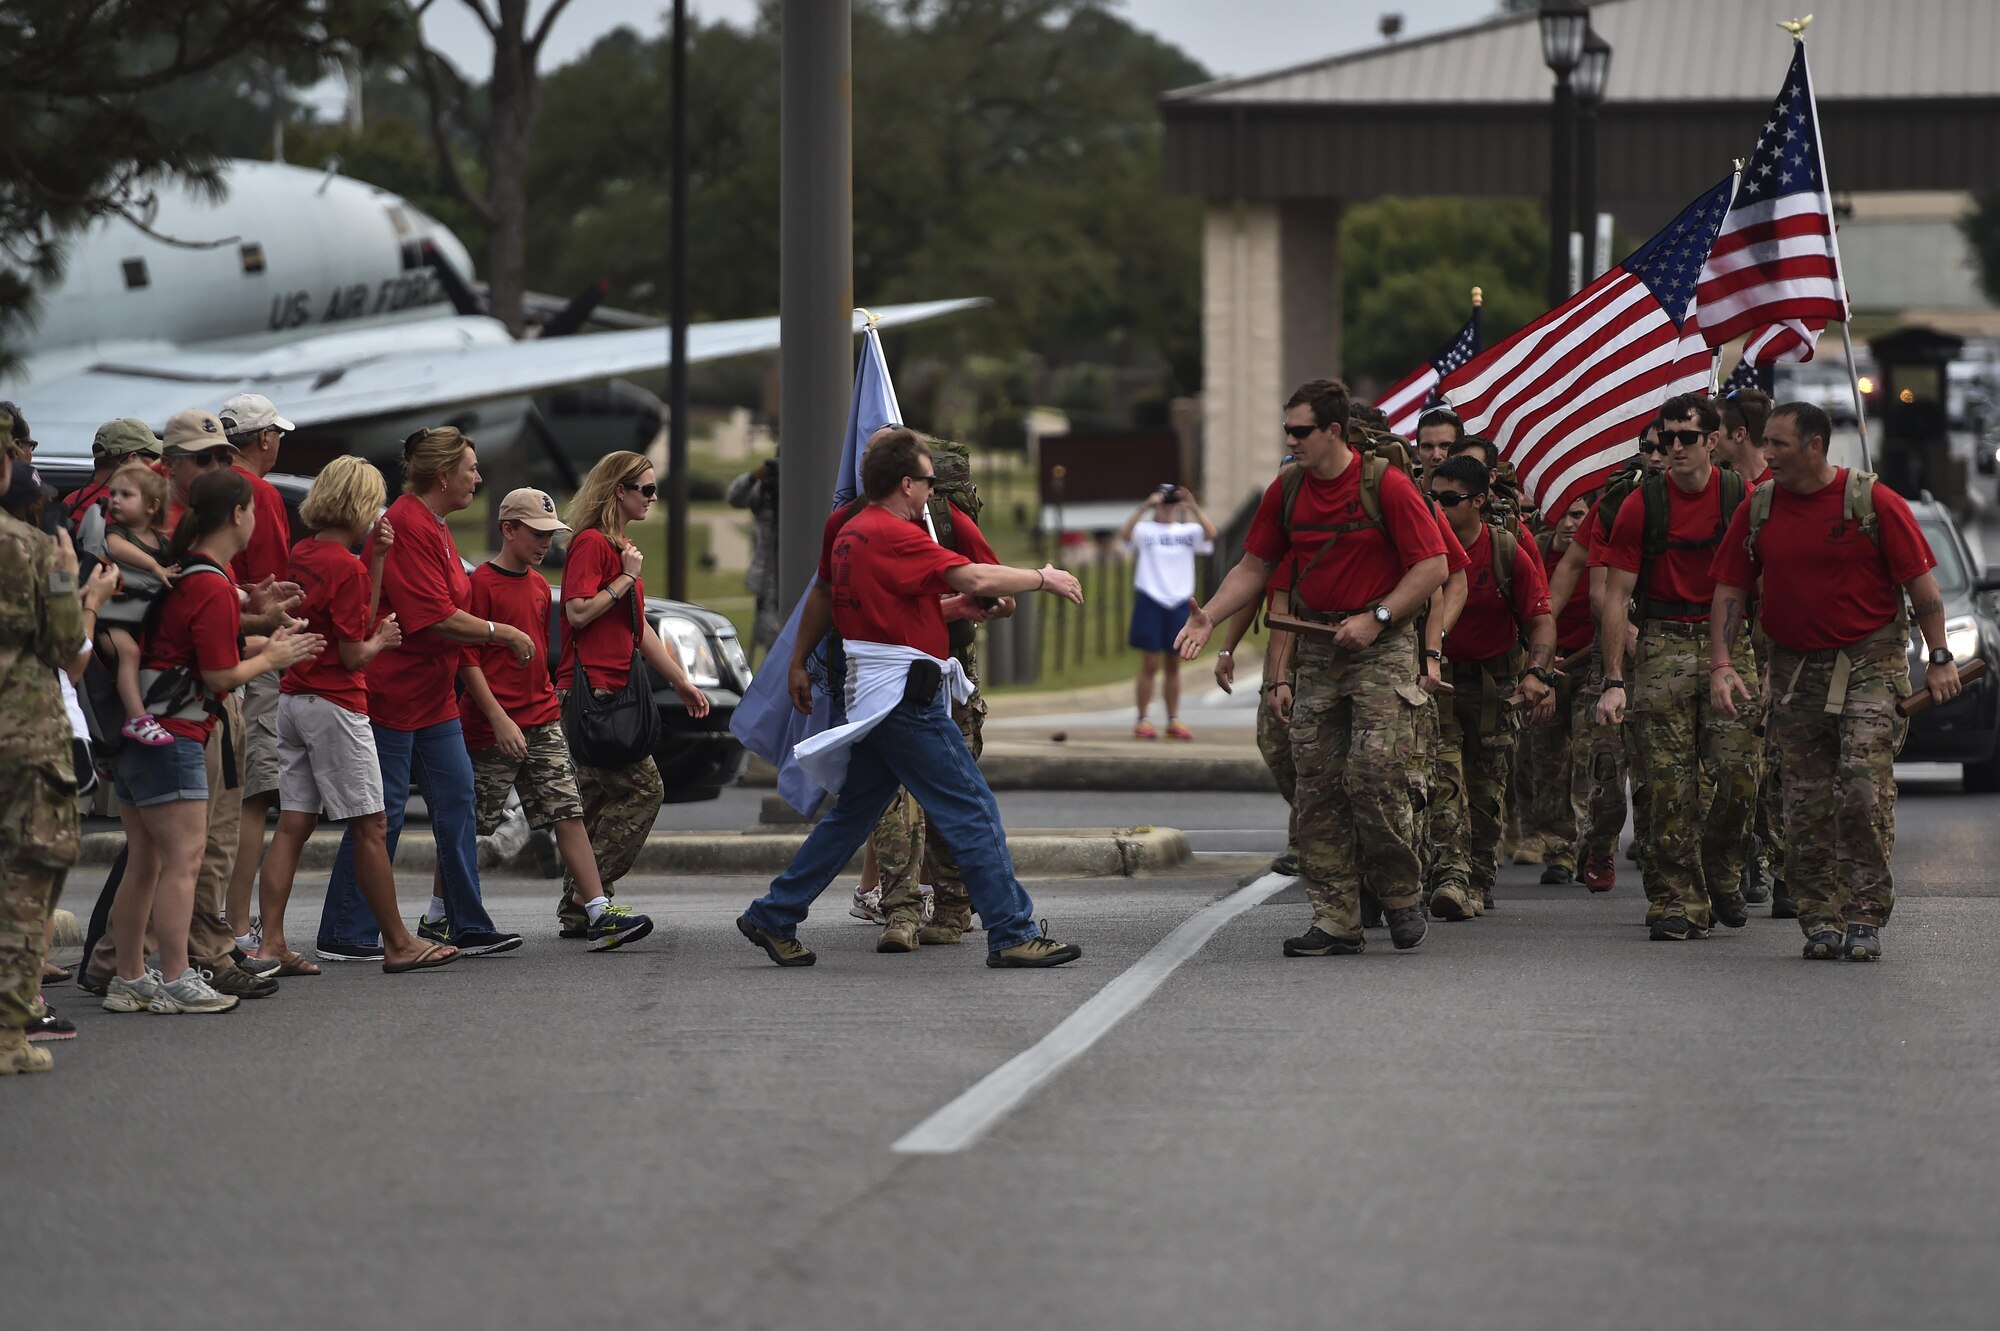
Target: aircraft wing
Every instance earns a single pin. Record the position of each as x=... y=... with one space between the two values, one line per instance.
x=369 y=373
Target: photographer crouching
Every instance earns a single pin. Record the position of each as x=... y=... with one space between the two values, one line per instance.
x=894 y=589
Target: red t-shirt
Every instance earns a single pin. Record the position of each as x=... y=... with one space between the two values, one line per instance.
x=1490 y=626
x=1364 y=565
x=199 y=625
x=606 y=642
x=887 y=577
x=1574 y=626
x=966 y=535
x=1826 y=584
x=423 y=582
x=1677 y=575
x=1767 y=475
x=335 y=606
x=269 y=551
x=1455 y=557
x=523 y=692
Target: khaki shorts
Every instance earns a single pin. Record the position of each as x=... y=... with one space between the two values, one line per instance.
x=545 y=781
x=260 y=744
x=327 y=759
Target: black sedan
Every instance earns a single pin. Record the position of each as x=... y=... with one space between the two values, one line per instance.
x=697 y=757
x=1965 y=730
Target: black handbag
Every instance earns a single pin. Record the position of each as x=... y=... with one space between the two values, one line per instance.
x=618 y=731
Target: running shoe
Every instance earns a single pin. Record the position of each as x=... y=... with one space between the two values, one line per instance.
x=190 y=992
x=868 y=906
x=617 y=926
x=123 y=995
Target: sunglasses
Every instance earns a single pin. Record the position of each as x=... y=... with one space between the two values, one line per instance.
x=1301 y=432
x=1451 y=498
x=928 y=478
x=648 y=490
x=1647 y=450
x=1685 y=438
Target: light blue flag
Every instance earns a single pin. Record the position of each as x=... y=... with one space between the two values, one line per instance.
x=765 y=721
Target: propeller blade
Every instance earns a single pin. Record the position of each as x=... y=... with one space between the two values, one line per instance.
x=461 y=296
x=573 y=315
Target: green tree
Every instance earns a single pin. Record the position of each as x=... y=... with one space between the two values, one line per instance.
x=1411 y=265
x=1982 y=230
x=83 y=84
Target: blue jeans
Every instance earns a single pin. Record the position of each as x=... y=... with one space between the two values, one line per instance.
x=436 y=757
x=919 y=748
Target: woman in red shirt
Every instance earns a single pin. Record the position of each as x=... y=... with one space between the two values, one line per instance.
x=326 y=749
x=603 y=619
x=189 y=661
x=414 y=709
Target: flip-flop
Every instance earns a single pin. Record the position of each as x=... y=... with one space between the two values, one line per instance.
x=291 y=963
x=429 y=960
x=54 y=974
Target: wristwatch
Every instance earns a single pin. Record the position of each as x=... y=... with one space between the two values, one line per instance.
x=1384 y=616
x=1614 y=683
x=1941 y=656
x=1544 y=674
x=1434 y=654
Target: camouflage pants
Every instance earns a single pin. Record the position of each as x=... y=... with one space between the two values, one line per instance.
x=1428 y=785
x=39 y=840
x=619 y=806
x=1699 y=832
x=544 y=778
x=1274 y=743
x=1609 y=756
x=1354 y=740
x=1549 y=779
x=1839 y=784
x=904 y=840
x=1475 y=756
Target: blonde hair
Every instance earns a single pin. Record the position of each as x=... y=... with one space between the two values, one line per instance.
x=429 y=454
x=152 y=487
x=345 y=496
x=596 y=503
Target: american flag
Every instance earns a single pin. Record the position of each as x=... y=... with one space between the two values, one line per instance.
x=1746 y=375
x=1417 y=392
x=1773 y=278
x=1565 y=397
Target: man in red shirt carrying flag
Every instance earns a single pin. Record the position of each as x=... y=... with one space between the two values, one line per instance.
x=1701 y=763
x=1367 y=555
x=1837 y=551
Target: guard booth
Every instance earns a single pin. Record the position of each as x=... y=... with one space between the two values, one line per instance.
x=1916 y=446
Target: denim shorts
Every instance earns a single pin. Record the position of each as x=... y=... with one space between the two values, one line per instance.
x=149 y=775
x=1154 y=626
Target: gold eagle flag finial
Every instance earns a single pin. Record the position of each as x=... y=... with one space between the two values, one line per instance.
x=1796 y=26
x=1478 y=298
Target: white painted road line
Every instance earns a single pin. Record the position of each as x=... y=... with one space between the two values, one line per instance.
x=965 y=1120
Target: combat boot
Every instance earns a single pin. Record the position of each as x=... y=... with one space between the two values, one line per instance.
x=1371 y=910
x=1484 y=902
x=1782 y=905
x=1317 y=942
x=900 y=936
x=1557 y=874
x=1729 y=907
x=1407 y=927
x=1676 y=929
x=1286 y=865
x=1454 y=901
x=1823 y=945
x=1756 y=874
x=17 y=1055
x=1600 y=873
x=1863 y=943
x=940 y=935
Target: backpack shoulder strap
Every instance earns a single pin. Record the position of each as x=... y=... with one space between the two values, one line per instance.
x=1373 y=468
x=1505 y=545
x=1760 y=513
x=1733 y=488
x=1858 y=503
x=1291 y=480
x=947 y=534
x=1653 y=494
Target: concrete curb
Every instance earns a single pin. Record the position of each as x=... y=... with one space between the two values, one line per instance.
x=1035 y=771
x=1037 y=852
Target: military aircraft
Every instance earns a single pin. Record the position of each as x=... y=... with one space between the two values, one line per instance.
x=343 y=303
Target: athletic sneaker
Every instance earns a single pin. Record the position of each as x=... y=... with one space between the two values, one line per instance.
x=434 y=931
x=261 y=967
x=190 y=992
x=1863 y=943
x=617 y=926
x=1035 y=953
x=1823 y=945
x=484 y=943
x=868 y=906
x=1676 y=929
x=145 y=729
x=48 y=1028
x=1317 y=942
x=344 y=952
x=927 y=896
x=784 y=951
x=123 y=995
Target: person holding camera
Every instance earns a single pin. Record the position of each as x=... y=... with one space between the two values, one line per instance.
x=1163 y=537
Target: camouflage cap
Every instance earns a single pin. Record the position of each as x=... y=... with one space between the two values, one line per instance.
x=124 y=437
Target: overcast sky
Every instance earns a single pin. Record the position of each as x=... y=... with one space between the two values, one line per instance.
x=1227 y=36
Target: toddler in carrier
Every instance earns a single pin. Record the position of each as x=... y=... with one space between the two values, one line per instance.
x=136 y=540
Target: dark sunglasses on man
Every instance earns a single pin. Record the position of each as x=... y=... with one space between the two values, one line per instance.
x=1685 y=438
x=1647 y=450
x=1301 y=432
x=1450 y=498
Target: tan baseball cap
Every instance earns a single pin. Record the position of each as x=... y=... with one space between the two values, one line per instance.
x=251 y=411
x=124 y=437
x=531 y=507
x=195 y=431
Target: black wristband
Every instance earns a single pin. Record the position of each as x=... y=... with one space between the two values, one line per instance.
x=1614 y=683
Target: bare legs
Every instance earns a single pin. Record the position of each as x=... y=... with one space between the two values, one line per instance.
x=165 y=843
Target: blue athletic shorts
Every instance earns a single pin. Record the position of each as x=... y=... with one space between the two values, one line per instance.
x=1154 y=625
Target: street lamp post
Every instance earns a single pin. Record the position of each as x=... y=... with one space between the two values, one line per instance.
x=1564 y=24
x=1592 y=71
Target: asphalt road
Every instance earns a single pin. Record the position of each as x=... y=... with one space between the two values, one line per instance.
x=1539 y=1119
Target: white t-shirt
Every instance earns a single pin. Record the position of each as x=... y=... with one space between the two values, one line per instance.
x=1166 y=553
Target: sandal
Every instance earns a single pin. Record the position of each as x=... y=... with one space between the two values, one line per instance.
x=145 y=729
x=54 y=974
x=437 y=954
x=291 y=963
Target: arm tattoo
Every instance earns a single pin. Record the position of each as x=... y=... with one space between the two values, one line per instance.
x=1927 y=607
x=1541 y=654
x=1732 y=619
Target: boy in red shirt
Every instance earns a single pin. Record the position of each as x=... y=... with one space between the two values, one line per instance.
x=513 y=721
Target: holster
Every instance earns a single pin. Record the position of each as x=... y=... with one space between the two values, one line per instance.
x=921 y=686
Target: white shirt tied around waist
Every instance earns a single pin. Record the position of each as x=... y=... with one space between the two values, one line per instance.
x=877 y=675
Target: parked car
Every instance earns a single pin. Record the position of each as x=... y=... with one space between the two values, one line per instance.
x=696 y=757
x=1965 y=730
x=1825 y=385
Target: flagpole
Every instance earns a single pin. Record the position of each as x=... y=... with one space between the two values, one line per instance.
x=1797 y=28
x=1715 y=364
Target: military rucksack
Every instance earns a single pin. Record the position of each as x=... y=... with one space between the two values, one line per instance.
x=1292 y=479
x=1616 y=491
x=953 y=464
x=1655 y=542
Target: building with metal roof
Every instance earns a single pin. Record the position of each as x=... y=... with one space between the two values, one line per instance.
x=1909 y=100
